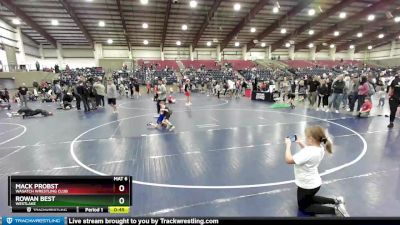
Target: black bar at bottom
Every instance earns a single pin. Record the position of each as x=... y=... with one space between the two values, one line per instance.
x=44 y=209
x=221 y=221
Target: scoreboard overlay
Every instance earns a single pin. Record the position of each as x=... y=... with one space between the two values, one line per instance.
x=88 y=194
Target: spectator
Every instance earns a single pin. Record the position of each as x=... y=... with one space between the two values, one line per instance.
x=23 y=91
x=365 y=108
x=162 y=94
x=37 y=66
x=100 y=93
x=312 y=91
x=82 y=94
x=112 y=95
x=363 y=89
x=338 y=89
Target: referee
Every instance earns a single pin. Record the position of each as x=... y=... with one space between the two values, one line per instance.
x=394 y=100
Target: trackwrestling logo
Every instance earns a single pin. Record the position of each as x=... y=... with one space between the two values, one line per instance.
x=33 y=220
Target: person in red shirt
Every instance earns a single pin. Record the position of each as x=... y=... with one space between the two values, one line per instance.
x=365 y=108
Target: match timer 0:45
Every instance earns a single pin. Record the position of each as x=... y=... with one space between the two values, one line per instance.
x=69 y=193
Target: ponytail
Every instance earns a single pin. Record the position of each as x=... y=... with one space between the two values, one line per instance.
x=328 y=146
x=319 y=134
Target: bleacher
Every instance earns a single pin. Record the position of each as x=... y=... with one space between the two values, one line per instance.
x=204 y=75
x=169 y=76
x=260 y=74
x=299 y=63
x=143 y=76
x=159 y=64
x=313 y=71
x=197 y=64
x=322 y=63
x=239 y=64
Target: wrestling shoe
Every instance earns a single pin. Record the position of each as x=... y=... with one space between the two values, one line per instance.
x=339 y=200
x=341 y=211
x=172 y=128
x=391 y=125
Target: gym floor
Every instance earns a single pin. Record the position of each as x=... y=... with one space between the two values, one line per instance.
x=225 y=157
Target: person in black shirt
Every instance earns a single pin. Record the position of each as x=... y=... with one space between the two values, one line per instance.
x=23 y=91
x=323 y=94
x=136 y=85
x=313 y=86
x=67 y=100
x=394 y=100
x=26 y=112
x=82 y=94
x=131 y=88
x=338 y=89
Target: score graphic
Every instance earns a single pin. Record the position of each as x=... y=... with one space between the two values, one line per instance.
x=87 y=194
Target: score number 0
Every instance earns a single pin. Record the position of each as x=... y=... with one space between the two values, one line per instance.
x=121 y=200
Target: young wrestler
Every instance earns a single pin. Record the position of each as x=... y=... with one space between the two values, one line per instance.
x=26 y=112
x=163 y=119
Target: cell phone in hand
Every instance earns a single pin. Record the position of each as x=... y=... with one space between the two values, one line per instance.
x=293 y=138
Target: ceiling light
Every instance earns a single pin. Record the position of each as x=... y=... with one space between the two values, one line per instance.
x=310 y=45
x=253 y=29
x=311 y=12
x=89 y=0
x=102 y=24
x=336 y=33
x=275 y=9
x=144 y=2
x=215 y=40
x=342 y=15
x=193 y=4
x=145 y=42
x=351 y=46
x=237 y=6
x=287 y=45
x=331 y=46
x=145 y=25
x=16 y=21
x=54 y=22
x=263 y=44
x=237 y=44
x=381 y=35
x=208 y=43
x=397 y=19
x=371 y=17
x=110 y=41
x=178 y=43
x=369 y=47
x=184 y=27
x=283 y=31
x=359 y=34
x=311 y=32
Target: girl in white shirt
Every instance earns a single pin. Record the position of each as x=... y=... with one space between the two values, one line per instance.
x=307 y=178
